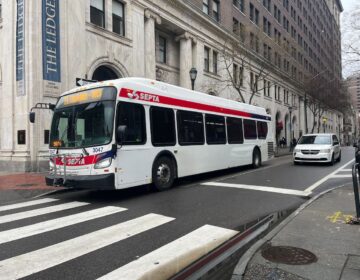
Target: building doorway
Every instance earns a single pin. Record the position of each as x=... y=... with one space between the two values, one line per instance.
x=103 y=73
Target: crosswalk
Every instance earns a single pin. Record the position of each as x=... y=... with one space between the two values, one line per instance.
x=163 y=262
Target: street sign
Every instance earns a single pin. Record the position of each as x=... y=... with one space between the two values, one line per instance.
x=82 y=82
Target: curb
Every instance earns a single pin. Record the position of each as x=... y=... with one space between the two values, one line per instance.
x=240 y=268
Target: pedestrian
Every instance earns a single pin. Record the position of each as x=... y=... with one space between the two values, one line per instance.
x=294 y=142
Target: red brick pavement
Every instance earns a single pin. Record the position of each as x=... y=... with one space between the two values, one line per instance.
x=24 y=181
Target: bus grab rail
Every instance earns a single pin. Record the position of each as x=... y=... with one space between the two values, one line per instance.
x=56 y=172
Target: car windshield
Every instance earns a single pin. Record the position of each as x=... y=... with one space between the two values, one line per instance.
x=315 y=139
x=83 y=119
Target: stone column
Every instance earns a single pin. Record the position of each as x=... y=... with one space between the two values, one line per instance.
x=186 y=58
x=150 y=54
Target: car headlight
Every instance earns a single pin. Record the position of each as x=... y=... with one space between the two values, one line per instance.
x=297 y=150
x=326 y=151
x=103 y=163
x=51 y=164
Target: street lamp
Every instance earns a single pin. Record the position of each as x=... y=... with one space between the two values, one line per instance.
x=290 y=111
x=193 y=74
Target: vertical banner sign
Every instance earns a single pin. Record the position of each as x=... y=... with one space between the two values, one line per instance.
x=51 y=40
x=20 y=48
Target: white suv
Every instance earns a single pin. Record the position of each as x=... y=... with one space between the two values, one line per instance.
x=319 y=147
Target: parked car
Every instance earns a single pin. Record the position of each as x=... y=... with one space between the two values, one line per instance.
x=318 y=147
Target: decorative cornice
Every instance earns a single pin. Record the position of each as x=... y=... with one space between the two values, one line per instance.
x=150 y=14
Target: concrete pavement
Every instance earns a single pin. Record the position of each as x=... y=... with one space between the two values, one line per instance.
x=319 y=227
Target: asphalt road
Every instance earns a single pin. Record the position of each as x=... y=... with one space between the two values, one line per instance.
x=248 y=195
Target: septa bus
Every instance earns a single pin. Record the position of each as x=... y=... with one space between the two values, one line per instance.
x=132 y=131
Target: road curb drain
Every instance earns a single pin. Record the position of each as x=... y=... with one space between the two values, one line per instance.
x=288 y=255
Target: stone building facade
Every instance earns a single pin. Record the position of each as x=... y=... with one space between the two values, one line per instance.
x=46 y=44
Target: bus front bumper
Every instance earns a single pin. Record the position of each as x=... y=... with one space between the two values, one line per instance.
x=96 y=182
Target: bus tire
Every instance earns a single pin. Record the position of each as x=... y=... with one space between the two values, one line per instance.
x=256 y=162
x=163 y=173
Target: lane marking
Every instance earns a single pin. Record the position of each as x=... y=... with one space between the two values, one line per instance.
x=25 y=204
x=258 y=188
x=35 y=261
x=345 y=169
x=41 y=211
x=341 y=176
x=318 y=183
x=173 y=257
x=27 y=231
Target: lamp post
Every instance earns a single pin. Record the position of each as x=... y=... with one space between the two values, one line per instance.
x=193 y=74
x=290 y=111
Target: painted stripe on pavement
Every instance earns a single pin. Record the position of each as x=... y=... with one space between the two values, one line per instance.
x=341 y=176
x=25 y=204
x=26 y=231
x=318 y=183
x=345 y=170
x=173 y=257
x=41 y=211
x=33 y=262
x=257 y=188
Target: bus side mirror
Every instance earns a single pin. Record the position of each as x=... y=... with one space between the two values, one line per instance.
x=120 y=134
x=32 y=117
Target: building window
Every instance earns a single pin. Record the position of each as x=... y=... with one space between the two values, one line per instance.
x=254 y=14
x=118 y=18
x=97 y=15
x=206 y=59
x=162 y=50
x=21 y=137
x=206 y=6
x=215 y=62
x=216 y=8
x=46 y=136
x=239 y=4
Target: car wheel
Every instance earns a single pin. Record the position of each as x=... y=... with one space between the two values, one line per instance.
x=339 y=158
x=332 y=162
x=256 y=163
x=163 y=173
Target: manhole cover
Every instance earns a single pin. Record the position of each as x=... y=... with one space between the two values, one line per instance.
x=288 y=255
x=26 y=185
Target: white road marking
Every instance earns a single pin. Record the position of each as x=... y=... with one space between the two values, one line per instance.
x=341 y=176
x=33 y=262
x=26 y=231
x=173 y=257
x=41 y=211
x=345 y=170
x=257 y=188
x=318 y=183
x=25 y=204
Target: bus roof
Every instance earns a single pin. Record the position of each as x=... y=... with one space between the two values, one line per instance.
x=175 y=93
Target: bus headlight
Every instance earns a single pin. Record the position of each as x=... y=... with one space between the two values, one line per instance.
x=103 y=163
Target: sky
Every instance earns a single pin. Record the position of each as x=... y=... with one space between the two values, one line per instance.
x=349 y=6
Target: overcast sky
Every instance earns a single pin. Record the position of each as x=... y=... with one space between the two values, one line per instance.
x=348 y=4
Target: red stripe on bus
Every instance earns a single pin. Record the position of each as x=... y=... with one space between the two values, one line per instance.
x=159 y=99
x=76 y=161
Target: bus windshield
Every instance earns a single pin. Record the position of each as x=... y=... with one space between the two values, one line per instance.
x=82 y=125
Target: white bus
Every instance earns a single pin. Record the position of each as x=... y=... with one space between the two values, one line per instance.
x=128 y=132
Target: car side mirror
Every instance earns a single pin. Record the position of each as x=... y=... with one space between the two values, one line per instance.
x=32 y=117
x=355 y=145
x=336 y=143
x=120 y=134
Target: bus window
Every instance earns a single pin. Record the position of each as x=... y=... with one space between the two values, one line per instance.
x=190 y=128
x=262 y=130
x=250 y=129
x=133 y=117
x=235 y=131
x=162 y=126
x=215 y=129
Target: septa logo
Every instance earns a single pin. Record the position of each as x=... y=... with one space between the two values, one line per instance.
x=133 y=95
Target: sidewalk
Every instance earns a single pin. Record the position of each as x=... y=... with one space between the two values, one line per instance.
x=333 y=247
x=279 y=152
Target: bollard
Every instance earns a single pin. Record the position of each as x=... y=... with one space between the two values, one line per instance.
x=356 y=168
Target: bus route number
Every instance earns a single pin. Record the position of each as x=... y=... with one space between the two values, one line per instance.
x=98 y=150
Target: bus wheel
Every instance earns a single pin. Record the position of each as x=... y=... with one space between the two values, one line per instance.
x=256 y=163
x=163 y=173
